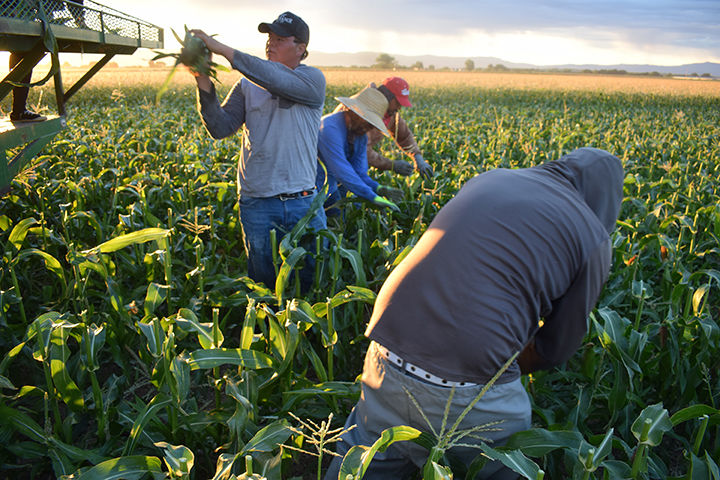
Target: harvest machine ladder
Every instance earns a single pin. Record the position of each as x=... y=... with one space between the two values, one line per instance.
x=37 y=27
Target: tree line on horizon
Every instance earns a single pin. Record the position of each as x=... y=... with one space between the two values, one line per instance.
x=386 y=61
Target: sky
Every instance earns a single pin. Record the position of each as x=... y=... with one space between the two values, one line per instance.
x=539 y=32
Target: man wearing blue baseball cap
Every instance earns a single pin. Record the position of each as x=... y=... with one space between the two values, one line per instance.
x=278 y=106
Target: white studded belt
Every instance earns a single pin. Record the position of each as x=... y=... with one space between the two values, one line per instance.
x=418 y=372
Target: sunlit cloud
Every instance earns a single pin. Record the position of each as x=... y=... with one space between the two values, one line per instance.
x=538 y=32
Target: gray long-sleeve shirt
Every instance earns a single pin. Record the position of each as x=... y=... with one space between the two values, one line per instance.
x=512 y=247
x=279 y=110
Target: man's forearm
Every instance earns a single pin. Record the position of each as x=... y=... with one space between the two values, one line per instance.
x=204 y=83
x=378 y=161
x=403 y=136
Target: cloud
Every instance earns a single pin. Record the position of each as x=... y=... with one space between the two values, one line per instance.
x=524 y=31
x=693 y=23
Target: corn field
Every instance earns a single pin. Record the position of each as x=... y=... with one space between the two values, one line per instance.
x=135 y=346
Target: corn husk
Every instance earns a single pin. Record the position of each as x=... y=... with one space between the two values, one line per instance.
x=194 y=54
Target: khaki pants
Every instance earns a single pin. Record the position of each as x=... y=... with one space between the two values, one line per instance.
x=384 y=404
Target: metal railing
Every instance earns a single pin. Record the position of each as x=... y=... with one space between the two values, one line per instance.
x=87 y=16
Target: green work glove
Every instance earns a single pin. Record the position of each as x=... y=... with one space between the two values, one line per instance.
x=401 y=167
x=423 y=168
x=384 y=202
x=394 y=194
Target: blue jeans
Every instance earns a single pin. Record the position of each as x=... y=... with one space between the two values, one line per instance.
x=260 y=215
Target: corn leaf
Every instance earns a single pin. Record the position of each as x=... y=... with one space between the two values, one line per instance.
x=155 y=296
x=126 y=468
x=301 y=311
x=215 y=357
x=358 y=458
x=351 y=293
x=604 y=449
x=401 y=256
x=61 y=464
x=248 y=329
x=134 y=238
x=616 y=470
x=659 y=422
x=288 y=265
x=59 y=353
x=19 y=232
x=180 y=371
x=288 y=242
x=188 y=321
x=158 y=402
x=93 y=340
x=178 y=458
x=6 y=383
x=693 y=412
x=538 y=441
x=51 y=263
x=10 y=356
x=440 y=472
x=76 y=454
x=91 y=219
x=356 y=262
x=514 y=460
x=154 y=334
x=268 y=439
x=225 y=462
x=317 y=364
x=697 y=298
x=22 y=423
x=712 y=466
x=349 y=390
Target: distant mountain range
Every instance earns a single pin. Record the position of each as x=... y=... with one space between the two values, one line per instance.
x=367 y=59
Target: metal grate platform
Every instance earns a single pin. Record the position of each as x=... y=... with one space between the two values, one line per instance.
x=89 y=27
x=34 y=28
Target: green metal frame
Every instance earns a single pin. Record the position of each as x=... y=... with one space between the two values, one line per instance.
x=87 y=28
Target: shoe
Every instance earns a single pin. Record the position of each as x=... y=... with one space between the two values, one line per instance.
x=27 y=116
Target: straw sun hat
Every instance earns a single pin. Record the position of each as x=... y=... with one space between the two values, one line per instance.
x=370 y=104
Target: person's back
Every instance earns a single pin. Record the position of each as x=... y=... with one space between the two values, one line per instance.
x=511 y=247
x=495 y=259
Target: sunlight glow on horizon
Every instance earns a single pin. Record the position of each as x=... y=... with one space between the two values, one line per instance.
x=236 y=26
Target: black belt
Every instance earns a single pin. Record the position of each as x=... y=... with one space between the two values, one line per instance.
x=290 y=196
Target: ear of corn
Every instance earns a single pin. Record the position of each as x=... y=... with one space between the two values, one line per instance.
x=194 y=54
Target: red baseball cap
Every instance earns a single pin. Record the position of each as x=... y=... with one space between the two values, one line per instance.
x=400 y=88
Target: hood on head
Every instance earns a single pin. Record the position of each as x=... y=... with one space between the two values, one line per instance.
x=598 y=177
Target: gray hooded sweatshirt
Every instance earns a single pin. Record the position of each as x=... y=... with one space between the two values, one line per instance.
x=512 y=248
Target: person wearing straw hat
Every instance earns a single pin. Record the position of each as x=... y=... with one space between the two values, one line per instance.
x=464 y=309
x=342 y=148
x=397 y=92
x=277 y=106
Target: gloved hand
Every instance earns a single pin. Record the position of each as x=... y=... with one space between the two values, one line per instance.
x=423 y=168
x=394 y=194
x=401 y=167
x=384 y=202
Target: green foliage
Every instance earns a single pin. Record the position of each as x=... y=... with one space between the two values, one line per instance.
x=133 y=338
